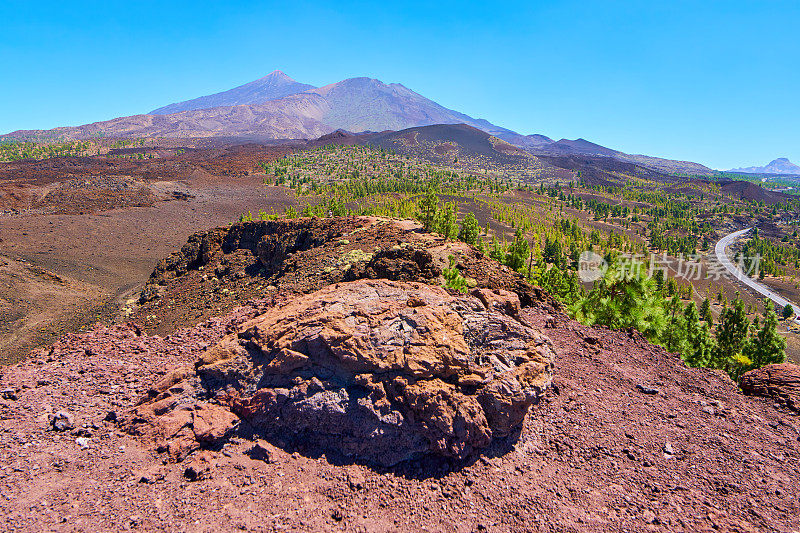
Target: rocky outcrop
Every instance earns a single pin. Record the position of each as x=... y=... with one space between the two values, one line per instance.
x=270 y=241
x=780 y=382
x=305 y=254
x=375 y=370
x=399 y=264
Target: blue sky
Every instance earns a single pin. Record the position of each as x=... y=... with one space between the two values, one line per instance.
x=713 y=82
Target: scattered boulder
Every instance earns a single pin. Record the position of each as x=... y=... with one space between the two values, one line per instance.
x=399 y=264
x=62 y=421
x=262 y=451
x=644 y=389
x=9 y=394
x=374 y=370
x=181 y=427
x=780 y=382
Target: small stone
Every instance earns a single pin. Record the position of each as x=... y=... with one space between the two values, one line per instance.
x=262 y=451
x=668 y=450
x=191 y=473
x=629 y=454
x=111 y=416
x=646 y=390
x=356 y=480
x=9 y=394
x=62 y=421
x=83 y=442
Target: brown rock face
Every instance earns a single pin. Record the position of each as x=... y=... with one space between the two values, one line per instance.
x=781 y=382
x=375 y=370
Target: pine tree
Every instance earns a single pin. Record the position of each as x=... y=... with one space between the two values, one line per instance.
x=699 y=344
x=552 y=252
x=674 y=334
x=658 y=276
x=518 y=252
x=705 y=312
x=623 y=301
x=497 y=253
x=731 y=336
x=788 y=312
x=470 y=229
x=445 y=221
x=429 y=207
x=766 y=347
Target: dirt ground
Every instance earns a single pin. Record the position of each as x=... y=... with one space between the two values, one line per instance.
x=61 y=271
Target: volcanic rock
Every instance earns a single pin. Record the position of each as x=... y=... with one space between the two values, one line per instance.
x=780 y=382
x=62 y=421
x=374 y=370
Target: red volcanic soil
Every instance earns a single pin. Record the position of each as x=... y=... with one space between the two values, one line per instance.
x=627 y=438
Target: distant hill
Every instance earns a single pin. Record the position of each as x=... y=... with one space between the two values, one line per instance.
x=474 y=149
x=754 y=193
x=278 y=107
x=782 y=165
x=448 y=142
x=271 y=87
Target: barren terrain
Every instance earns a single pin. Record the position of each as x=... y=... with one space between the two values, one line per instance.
x=626 y=438
x=63 y=271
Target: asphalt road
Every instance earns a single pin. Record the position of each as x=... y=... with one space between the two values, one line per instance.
x=719 y=249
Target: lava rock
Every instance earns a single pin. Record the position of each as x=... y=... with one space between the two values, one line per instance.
x=9 y=394
x=362 y=370
x=780 y=382
x=62 y=421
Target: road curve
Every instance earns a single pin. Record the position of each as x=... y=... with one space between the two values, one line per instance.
x=722 y=257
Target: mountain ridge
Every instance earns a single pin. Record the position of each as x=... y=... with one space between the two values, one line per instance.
x=781 y=165
x=277 y=107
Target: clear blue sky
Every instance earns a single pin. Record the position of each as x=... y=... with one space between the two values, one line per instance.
x=713 y=82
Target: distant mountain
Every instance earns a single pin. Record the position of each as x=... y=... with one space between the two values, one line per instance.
x=355 y=105
x=781 y=165
x=271 y=87
x=578 y=146
x=278 y=107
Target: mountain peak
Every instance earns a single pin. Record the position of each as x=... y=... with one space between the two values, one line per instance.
x=274 y=85
x=278 y=74
x=781 y=165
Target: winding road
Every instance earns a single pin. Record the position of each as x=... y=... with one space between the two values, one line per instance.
x=719 y=250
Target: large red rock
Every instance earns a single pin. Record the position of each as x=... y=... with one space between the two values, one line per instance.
x=376 y=370
x=781 y=382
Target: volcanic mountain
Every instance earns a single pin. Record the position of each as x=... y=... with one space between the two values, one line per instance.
x=278 y=107
x=782 y=165
x=271 y=87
